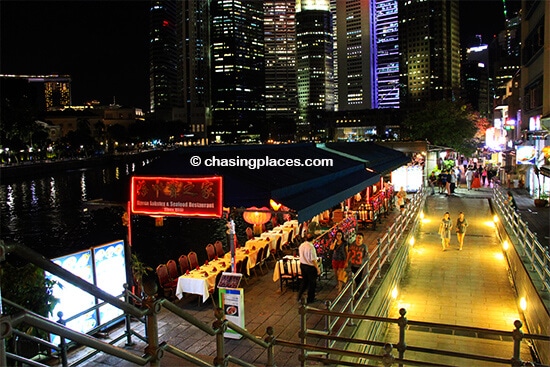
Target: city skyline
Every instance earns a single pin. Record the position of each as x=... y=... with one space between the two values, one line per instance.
x=103 y=45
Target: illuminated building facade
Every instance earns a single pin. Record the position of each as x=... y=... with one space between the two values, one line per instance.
x=280 y=60
x=57 y=92
x=475 y=83
x=238 y=82
x=314 y=65
x=165 y=92
x=387 y=54
x=355 y=72
x=195 y=71
x=430 y=52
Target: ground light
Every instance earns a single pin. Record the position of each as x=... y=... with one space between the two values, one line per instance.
x=394 y=293
x=495 y=218
x=411 y=241
x=505 y=245
x=523 y=303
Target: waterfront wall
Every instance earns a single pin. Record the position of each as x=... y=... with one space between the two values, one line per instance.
x=16 y=172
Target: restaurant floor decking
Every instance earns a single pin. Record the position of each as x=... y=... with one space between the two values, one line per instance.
x=266 y=305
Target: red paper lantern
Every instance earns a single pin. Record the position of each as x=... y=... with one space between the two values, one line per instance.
x=257 y=217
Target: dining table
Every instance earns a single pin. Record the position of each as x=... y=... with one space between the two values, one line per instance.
x=201 y=279
x=293 y=266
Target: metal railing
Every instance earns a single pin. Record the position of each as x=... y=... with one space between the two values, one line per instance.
x=529 y=248
x=329 y=355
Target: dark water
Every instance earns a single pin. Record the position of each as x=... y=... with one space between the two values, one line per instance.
x=53 y=215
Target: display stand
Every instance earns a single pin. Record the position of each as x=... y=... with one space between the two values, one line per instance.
x=231 y=299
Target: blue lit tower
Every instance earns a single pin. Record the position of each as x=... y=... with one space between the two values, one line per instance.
x=164 y=59
x=237 y=33
x=280 y=62
x=387 y=54
x=354 y=72
x=314 y=65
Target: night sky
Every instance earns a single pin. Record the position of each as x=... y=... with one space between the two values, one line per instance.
x=103 y=44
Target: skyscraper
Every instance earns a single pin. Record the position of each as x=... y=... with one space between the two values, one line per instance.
x=195 y=68
x=355 y=56
x=387 y=53
x=430 y=51
x=237 y=33
x=314 y=65
x=280 y=62
x=164 y=58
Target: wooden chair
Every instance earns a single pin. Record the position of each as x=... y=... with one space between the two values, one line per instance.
x=218 y=245
x=278 y=251
x=265 y=254
x=193 y=260
x=241 y=268
x=286 y=277
x=259 y=261
x=249 y=233
x=184 y=264
x=214 y=290
x=172 y=269
x=167 y=284
x=210 y=252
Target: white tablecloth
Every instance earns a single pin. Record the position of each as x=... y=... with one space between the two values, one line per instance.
x=196 y=282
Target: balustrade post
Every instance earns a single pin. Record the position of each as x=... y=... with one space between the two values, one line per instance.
x=153 y=308
x=380 y=257
x=388 y=359
x=352 y=300
x=302 y=333
x=62 y=342
x=220 y=325
x=270 y=339
x=402 y=322
x=517 y=335
x=127 y=319
x=545 y=279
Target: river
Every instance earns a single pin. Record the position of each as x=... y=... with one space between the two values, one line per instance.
x=57 y=214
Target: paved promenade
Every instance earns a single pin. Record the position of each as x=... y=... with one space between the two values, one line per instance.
x=468 y=287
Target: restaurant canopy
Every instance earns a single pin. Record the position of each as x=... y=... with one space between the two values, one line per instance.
x=286 y=175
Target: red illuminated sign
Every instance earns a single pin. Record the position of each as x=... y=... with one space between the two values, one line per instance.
x=177 y=196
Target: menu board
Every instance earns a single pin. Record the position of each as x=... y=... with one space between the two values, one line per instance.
x=110 y=276
x=73 y=300
x=105 y=267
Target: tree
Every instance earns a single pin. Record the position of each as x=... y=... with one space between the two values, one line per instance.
x=444 y=123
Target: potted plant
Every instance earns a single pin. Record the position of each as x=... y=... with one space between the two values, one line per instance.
x=139 y=270
x=542 y=198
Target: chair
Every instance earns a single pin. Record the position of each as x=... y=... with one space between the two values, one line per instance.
x=285 y=273
x=265 y=254
x=184 y=264
x=210 y=252
x=214 y=290
x=193 y=259
x=249 y=233
x=219 y=249
x=243 y=271
x=278 y=251
x=167 y=285
x=259 y=258
x=172 y=269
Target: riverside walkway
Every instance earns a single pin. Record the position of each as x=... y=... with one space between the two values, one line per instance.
x=469 y=287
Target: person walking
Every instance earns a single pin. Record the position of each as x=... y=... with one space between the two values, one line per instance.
x=461 y=224
x=401 y=197
x=309 y=268
x=445 y=230
x=357 y=254
x=339 y=250
x=469 y=178
x=432 y=180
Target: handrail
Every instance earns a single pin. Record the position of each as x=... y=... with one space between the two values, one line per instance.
x=402 y=322
x=537 y=255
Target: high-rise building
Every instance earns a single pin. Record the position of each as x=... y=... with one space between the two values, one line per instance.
x=194 y=73
x=387 y=53
x=475 y=79
x=237 y=33
x=57 y=92
x=314 y=65
x=280 y=64
x=165 y=87
x=430 y=51
x=354 y=69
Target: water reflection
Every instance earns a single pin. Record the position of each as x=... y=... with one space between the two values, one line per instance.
x=53 y=216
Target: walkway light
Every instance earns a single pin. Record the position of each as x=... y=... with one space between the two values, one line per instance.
x=394 y=293
x=495 y=218
x=523 y=303
x=411 y=241
x=505 y=245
